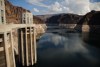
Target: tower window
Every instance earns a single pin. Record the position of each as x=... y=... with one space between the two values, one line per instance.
x=24 y=21
x=2 y=12
x=2 y=16
x=1 y=3
x=24 y=15
x=2 y=19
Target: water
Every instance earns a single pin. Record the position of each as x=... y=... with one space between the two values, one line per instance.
x=66 y=50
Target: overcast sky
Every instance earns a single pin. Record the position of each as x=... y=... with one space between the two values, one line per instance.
x=39 y=7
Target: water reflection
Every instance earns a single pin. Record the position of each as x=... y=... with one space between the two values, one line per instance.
x=66 y=51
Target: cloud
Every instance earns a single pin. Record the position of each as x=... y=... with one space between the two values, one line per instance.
x=37 y=3
x=95 y=0
x=66 y=6
x=76 y=6
x=71 y=6
x=35 y=10
x=95 y=6
x=56 y=7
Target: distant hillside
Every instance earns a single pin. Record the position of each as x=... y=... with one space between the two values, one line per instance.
x=37 y=20
x=45 y=17
x=60 y=18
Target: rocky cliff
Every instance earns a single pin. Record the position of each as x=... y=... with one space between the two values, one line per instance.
x=91 y=19
x=89 y=25
x=64 y=20
x=13 y=13
x=94 y=28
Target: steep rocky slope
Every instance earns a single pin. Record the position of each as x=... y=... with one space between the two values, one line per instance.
x=89 y=25
x=91 y=19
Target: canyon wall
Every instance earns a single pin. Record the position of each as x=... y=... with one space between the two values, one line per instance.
x=63 y=20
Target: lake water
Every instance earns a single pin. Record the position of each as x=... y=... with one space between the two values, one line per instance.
x=66 y=50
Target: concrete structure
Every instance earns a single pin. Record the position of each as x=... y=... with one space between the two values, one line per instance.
x=27 y=18
x=26 y=40
x=27 y=46
x=2 y=12
x=6 y=42
x=6 y=49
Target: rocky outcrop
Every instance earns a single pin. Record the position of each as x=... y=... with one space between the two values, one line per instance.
x=94 y=22
x=90 y=21
x=89 y=26
x=39 y=25
x=82 y=25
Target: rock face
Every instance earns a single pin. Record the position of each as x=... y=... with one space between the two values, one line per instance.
x=13 y=13
x=64 y=20
x=91 y=19
x=82 y=24
x=50 y=19
x=94 y=32
x=94 y=22
x=39 y=25
x=69 y=20
x=89 y=25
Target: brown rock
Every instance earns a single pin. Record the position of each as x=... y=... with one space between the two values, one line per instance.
x=13 y=13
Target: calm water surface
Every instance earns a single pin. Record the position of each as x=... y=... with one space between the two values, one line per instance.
x=66 y=50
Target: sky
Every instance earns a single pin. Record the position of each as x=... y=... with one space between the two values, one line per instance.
x=41 y=7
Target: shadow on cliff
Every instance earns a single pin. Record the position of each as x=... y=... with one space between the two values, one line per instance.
x=92 y=19
x=94 y=34
x=53 y=20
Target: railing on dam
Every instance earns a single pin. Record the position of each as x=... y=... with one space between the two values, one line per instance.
x=26 y=45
